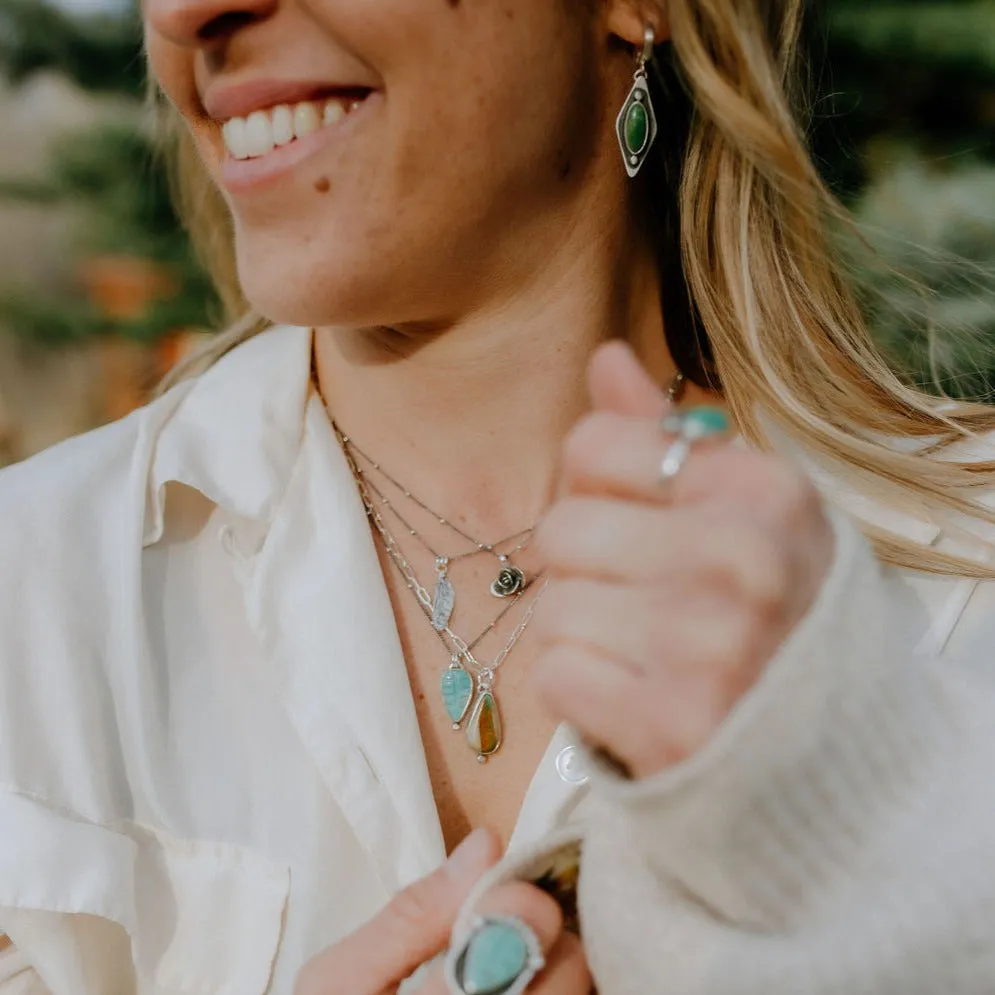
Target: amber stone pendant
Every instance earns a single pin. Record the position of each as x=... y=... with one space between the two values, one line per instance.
x=483 y=727
x=636 y=125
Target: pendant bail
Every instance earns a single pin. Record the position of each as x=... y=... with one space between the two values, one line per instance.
x=649 y=41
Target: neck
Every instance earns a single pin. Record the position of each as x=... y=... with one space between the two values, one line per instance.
x=470 y=415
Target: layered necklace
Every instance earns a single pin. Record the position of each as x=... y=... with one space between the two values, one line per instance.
x=466 y=686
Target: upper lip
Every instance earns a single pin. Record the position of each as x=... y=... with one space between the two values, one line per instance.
x=225 y=101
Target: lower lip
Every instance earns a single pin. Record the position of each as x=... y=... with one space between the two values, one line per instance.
x=241 y=176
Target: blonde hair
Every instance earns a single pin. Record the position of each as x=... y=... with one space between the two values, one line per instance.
x=762 y=280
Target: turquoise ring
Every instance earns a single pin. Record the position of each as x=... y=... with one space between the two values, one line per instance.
x=693 y=424
x=688 y=426
x=499 y=956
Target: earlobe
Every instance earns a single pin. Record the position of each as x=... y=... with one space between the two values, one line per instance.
x=628 y=19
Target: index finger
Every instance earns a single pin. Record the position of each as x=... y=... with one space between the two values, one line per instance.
x=613 y=455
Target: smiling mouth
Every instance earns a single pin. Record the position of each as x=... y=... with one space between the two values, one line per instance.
x=263 y=131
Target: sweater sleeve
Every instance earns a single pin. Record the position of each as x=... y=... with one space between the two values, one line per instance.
x=836 y=836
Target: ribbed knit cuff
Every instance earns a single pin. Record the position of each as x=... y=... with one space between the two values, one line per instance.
x=802 y=774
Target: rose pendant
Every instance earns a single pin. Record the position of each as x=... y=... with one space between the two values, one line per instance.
x=510 y=581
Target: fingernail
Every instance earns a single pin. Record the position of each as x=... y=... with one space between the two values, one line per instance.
x=469 y=854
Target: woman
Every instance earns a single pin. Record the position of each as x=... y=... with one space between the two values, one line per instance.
x=240 y=625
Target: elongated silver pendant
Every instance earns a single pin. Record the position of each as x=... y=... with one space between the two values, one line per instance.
x=444 y=599
x=457 y=687
x=636 y=124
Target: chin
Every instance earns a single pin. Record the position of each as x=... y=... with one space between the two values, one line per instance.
x=308 y=292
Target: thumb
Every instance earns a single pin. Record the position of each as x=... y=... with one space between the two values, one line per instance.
x=410 y=930
x=618 y=383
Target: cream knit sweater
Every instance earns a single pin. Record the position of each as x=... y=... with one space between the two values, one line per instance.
x=836 y=838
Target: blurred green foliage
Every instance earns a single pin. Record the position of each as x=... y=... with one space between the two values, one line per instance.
x=903 y=129
x=111 y=173
x=99 y=51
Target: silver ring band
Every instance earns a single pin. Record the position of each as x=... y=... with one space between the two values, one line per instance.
x=674 y=459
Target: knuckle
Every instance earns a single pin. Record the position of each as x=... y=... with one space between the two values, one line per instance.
x=663 y=614
x=739 y=645
x=531 y=905
x=411 y=908
x=760 y=569
x=550 y=672
x=554 y=538
x=588 y=442
x=712 y=709
x=794 y=495
x=559 y=606
x=772 y=583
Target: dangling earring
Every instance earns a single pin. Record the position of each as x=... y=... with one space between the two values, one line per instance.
x=636 y=122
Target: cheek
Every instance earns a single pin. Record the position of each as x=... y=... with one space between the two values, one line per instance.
x=469 y=146
x=172 y=68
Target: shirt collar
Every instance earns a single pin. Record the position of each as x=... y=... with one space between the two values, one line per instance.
x=236 y=431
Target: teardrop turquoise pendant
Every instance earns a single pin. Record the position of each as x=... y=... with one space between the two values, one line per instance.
x=456 y=686
x=636 y=125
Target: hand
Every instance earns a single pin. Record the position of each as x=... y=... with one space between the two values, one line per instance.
x=415 y=927
x=667 y=602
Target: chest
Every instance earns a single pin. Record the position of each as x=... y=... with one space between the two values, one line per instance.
x=469 y=793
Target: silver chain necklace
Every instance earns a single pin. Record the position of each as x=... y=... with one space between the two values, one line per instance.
x=444 y=597
x=510 y=580
x=467 y=686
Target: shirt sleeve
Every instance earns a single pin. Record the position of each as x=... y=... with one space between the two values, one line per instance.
x=838 y=833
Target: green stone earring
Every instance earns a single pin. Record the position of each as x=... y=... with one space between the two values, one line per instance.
x=636 y=123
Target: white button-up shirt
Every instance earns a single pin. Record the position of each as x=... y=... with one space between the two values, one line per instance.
x=210 y=762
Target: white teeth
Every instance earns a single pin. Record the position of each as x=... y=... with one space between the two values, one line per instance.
x=259 y=134
x=262 y=131
x=234 y=135
x=283 y=125
x=306 y=119
x=334 y=112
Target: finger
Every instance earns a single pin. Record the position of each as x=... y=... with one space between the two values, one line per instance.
x=647 y=723
x=533 y=906
x=644 y=626
x=566 y=971
x=412 y=929
x=620 y=456
x=617 y=382
x=577 y=682
x=538 y=910
x=631 y=543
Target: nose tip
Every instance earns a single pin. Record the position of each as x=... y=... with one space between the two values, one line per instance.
x=196 y=23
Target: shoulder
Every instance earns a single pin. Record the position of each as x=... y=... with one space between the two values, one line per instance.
x=70 y=542
x=60 y=499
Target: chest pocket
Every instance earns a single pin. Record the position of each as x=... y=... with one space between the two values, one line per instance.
x=209 y=917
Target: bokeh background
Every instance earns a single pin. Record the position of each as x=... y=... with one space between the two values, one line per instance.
x=99 y=294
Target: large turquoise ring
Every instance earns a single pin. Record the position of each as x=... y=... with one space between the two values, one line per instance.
x=688 y=426
x=499 y=956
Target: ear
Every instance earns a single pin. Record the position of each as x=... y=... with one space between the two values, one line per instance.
x=627 y=19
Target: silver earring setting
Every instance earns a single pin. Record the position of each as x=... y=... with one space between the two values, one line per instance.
x=636 y=122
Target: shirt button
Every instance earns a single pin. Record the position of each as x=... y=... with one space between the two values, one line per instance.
x=571 y=767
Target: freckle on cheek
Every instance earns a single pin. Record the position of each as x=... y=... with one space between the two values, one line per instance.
x=322 y=185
